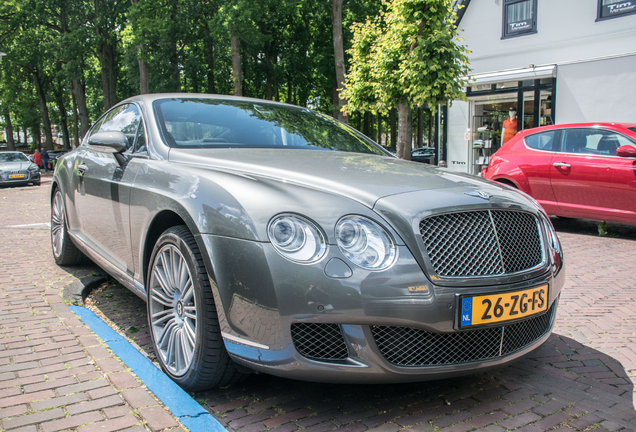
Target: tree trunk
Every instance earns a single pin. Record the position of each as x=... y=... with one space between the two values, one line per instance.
x=44 y=110
x=338 y=53
x=143 y=67
x=209 y=53
x=379 y=129
x=393 y=126
x=237 y=76
x=59 y=99
x=290 y=92
x=143 y=73
x=106 y=55
x=409 y=134
x=79 y=91
x=37 y=137
x=75 y=122
x=268 y=63
x=402 y=136
x=420 y=127
x=9 y=127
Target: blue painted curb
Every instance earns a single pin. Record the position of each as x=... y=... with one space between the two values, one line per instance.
x=181 y=405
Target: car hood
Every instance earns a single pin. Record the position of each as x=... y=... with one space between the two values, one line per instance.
x=364 y=178
x=14 y=166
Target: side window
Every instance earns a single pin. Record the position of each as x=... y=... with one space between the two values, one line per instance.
x=541 y=141
x=140 y=142
x=614 y=8
x=519 y=18
x=123 y=119
x=593 y=141
x=92 y=131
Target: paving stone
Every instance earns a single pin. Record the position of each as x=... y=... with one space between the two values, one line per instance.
x=94 y=405
x=71 y=422
x=111 y=425
x=138 y=398
x=32 y=419
x=123 y=380
x=157 y=418
x=58 y=401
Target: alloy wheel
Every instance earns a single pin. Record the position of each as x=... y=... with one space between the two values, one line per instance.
x=173 y=315
x=58 y=226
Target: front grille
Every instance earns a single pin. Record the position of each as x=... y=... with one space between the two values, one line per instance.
x=482 y=243
x=319 y=341
x=403 y=346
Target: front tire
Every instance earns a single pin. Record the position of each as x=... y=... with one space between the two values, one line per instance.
x=64 y=251
x=184 y=326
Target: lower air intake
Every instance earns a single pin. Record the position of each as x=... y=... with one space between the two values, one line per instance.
x=404 y=346
x=319 y=341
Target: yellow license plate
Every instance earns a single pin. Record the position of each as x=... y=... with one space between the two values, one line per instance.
x=12 y=176
x=508 y=306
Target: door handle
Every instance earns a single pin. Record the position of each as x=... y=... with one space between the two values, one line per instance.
x=82 y=168
x=561 y=165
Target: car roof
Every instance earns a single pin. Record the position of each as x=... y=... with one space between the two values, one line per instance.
x=149 y=98
x=606 y=125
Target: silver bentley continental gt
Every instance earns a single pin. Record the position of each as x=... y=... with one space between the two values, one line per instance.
x=271 y=238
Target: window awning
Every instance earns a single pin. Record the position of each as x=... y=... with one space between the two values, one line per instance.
x=514 y=75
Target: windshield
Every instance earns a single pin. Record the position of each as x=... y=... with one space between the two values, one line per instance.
x=13 y=157
x=215 y=123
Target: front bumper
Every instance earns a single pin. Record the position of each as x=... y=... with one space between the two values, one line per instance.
x=29 y=177
x=263 y=299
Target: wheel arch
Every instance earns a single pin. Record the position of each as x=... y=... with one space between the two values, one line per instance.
x=162 y=221
x=507 y=182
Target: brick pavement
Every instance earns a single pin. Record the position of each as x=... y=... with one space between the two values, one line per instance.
x=581 y=379
x=55 y=374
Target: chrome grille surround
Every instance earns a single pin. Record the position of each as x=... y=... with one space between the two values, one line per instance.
x=404 y=346
x=318 y=341
x=482 y=243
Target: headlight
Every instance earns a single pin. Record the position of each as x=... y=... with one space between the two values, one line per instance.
x=552 y=235
x=296 y=238
x=365 y=243
x=33 y=168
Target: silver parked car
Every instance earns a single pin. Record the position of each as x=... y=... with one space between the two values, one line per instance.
x=17 y=169
x=268 y=237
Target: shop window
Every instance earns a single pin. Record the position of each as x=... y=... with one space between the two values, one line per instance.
x=608 y=9
x=519 y=18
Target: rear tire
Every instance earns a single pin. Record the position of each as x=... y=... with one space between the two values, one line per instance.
x=182 y=316
x=64 y=251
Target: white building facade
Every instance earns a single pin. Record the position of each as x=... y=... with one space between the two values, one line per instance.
x=553 y=61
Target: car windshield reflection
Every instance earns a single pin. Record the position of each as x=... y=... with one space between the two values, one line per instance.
x=12 y=157
x=213 y=123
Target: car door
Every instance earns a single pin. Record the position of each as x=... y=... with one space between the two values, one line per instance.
x=588 y=179
x=102 y=194
x=623 y=177
x=534 y=161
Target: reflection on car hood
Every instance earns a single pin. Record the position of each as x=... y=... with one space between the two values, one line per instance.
x=14 y=166
x=364 y=178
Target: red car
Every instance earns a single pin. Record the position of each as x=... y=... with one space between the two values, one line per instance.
x=584 y=170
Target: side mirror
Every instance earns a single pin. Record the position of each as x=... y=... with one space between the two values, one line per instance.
x=626 y=151
x=109 y=142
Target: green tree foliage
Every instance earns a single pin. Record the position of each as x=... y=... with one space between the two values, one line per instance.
x=407 y=55
x=69 y=60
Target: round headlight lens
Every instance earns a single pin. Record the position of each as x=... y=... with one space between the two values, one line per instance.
x=296 y=238
x=365 y=243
